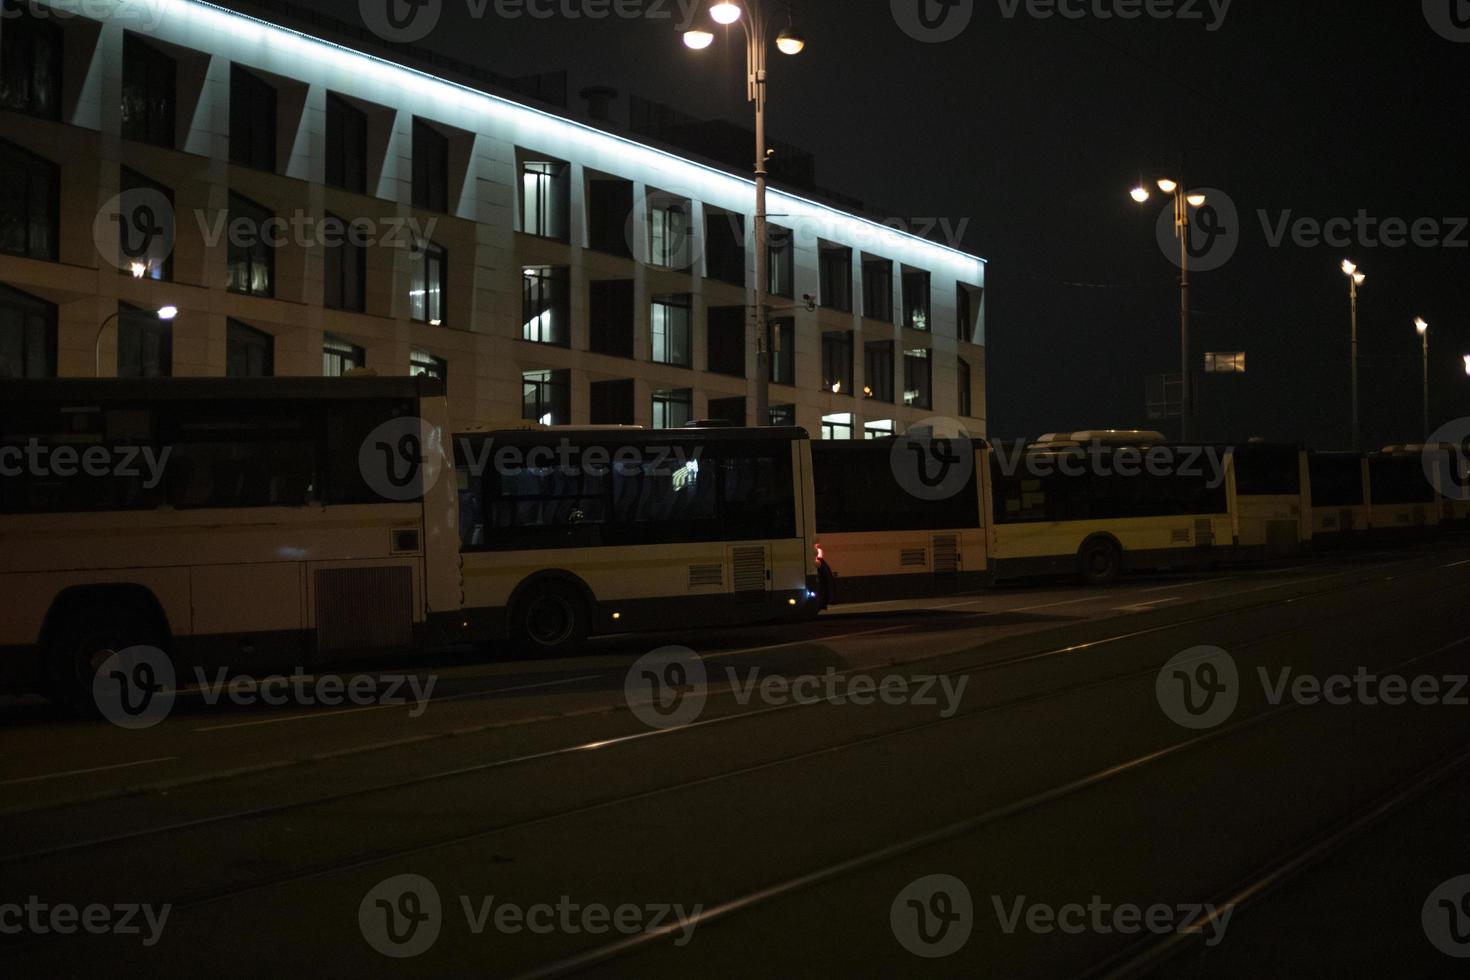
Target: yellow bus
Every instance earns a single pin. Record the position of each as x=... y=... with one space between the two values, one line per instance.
x=1339 y=487
x=1402 y=497
x=260 y=522
x=566 y=533
x=1270 y=497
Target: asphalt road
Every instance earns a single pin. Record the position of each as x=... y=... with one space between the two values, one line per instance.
x=1178 y=776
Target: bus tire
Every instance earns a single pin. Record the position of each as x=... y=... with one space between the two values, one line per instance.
x=550 y=620
x=81 y=639
x=1100 y=562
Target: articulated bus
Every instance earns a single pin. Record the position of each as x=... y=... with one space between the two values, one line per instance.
x=1340 y=511
x=1451 y=477
x=1402 y=500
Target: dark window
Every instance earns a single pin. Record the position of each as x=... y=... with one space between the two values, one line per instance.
x=346 y=145
x=783 y=415
x=249 y=353
x=430 y=168
x=878 y=370
x=27 y=336
x=345 y=266
x=252 y=120
x=546 y=397
x=1337 y=480
x=30 y=63
x=147 y=230
x=728 y=410
x=1273 y=471
x=782 y=257
x=422 y=364
x=858 y=489
x=609 y=206
x=611 y=402
x=610 y=309
x=724 y=245
x=836 y=277
x=428 y=291
x=837 y=362
x=916 y=299
x=29 y=205
x=783 y=351
x=670 y=231
x=149 y=93
x=669 y=330
x=967 y=395
x=252 y=257
x=918 y=378
x=546 y=199
x=725 y=340
x=967 y=302
x=673 y=408
x=1399 y=480
x=145 y=344
x=1065 y=486
x=349 y=424
x=878 y=290
x=545 y=316
x=340 y=356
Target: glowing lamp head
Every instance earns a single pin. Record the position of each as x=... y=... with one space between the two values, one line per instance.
x=1196 y=200
x=725 y=12
x=167 y=312
x=1140 y=194
x=1349 y=267
x=698 y=39
x=1168 y=186
x=1421 y=325
x=1359 y=279
x=790 y=41
x=1467 y=365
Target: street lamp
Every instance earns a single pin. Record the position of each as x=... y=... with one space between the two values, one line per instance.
x=164 y=313
x=755 y=18
x=1355 y=279
x=1422 y=325
x=1183 y=201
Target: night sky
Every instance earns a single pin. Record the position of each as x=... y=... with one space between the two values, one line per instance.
x=1034 y=130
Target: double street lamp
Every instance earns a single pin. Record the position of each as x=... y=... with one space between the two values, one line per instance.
x=1355 y=279
x=755 y=16
x=1183 y=202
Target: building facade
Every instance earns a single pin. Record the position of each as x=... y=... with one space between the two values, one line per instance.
x=307 y=209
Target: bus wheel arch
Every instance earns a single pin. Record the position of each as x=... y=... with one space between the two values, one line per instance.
x=88 y=622
x=551 y=613
x=1100 y=559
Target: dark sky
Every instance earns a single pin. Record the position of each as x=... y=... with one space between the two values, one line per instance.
x=1034 y=130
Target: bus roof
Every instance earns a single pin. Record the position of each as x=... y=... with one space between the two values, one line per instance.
x=637 y=436
x=190 y=389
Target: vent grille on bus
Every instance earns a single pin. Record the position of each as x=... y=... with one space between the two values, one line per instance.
x=1204 y=534
x=1180 y=535
x=749 y=566
x=705 y=576
x=364 y=608
x=913 y=558
x=946 y=554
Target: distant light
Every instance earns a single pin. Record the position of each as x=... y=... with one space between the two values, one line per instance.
x=791 y=602
x=436 y=323
x=167 y=312
x=1196 y=200
x=1421 y=325
x=1360 y=278
x=698 y=39
x=1349 y=267
x=725 y=12
x=139 y=269
x=1168 y=186
x=1140 y=194
x=837 y=388
x=617 y=615
x=1467 y=364
x=790 y=41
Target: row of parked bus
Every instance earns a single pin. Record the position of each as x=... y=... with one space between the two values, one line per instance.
x=270 y=523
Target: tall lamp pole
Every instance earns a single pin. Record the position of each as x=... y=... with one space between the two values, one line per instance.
x=1355 y=279
x=1422 y=325
x=755 y=18
x=1183 y=201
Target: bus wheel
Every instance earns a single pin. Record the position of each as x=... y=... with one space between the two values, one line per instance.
x=550 y=621
x=83 y=641
x=1100 y=562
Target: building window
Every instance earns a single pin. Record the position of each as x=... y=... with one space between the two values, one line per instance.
x=782 y=258
x=252 y=120
x=783 y=351
x=345 y=267
x=878 y=289
x=546 y=397
x=669 y=325
x=731 y=411
x=146 y=232
x=430 y=168
x=783 y=415
x=916 y=299
x=30 y=63
x=837 y=362
x=249 y=353
x=148 y=93
x=29 y=205
x=609 y=208
x=672 y=408
x=611 y=402
x=145 y=344
x=669 y=231
x=918 y=375
x=835 y=263
x=1232 y=362
x=546 y=199
x=346 y=145
x=879 y=429
x=252 y=257
x=725 y=340
x=878 y=370
x=724 y=246
x=967 y=303
x=27 y=335
x=340 y=356
x=422 y=364
x=837 y=426
x=610 y=315
x=545 y=318
x=967 y=395
x=429 y=283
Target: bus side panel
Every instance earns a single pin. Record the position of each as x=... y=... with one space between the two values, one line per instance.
x=878 y=565
x=1051 y=548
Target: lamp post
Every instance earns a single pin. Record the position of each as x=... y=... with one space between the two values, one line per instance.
x=164 y=313
x=1422 y=325
x=1355 y=279
x=754 y=17
x=1183 y=201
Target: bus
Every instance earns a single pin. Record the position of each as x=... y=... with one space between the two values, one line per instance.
x=254 y=523
x=1448 y=469
x=1339 y=487
x=566 y=533
x=1270 y=500
x=1402 y=498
